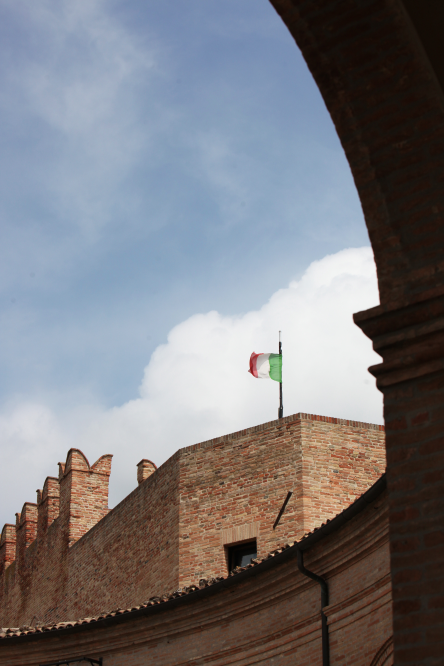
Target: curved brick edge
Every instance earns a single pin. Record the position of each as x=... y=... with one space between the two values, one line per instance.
x=378 y=65
x=384 y=656
x=274 y=558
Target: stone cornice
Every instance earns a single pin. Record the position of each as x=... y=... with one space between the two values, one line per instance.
x=410 y=339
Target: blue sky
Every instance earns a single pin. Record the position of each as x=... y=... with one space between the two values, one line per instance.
x=160 y=161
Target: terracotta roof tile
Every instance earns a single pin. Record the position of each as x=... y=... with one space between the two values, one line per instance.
x=181 y=592
x=12 y=632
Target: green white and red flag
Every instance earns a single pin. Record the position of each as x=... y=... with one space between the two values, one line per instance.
x=266 y=366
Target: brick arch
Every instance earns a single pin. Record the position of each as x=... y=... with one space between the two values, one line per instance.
x=388 y=111
x=379 y=65
x=384 y=656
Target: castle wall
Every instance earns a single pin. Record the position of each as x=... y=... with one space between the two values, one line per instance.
x=232 y=488
x=340 y=460
x=269 y=613
x=7 y=547
x=130 y=554
x=173 y=529
x=33 y=586
x=379 y=66
x=133 y=548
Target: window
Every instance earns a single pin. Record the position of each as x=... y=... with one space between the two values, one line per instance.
x=241 y=554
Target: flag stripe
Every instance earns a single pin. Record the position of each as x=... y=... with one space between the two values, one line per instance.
x=276 y=367
x=253 y=359
x=263 y=366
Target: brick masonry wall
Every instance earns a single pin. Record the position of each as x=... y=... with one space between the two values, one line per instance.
x=380 y=72
x=233 y=482
x=233 y=488
x=130 y=554
x=174 y=527
x=7 y=547
x=266 y=615
x=132 y=549
x=83 y=493
x=379 y=67
x=340 y=460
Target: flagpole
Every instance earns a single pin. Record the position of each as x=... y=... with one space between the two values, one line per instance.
x=281 y=406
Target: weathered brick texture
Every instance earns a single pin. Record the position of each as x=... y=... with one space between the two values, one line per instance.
x=48 y=505
x=7 y=547
x=26 y=531
x=379 y=65
x=173 y=529
x=88 y=557
x=269 y=614
x=242 y=480
x=144 y=469
x=83 y=493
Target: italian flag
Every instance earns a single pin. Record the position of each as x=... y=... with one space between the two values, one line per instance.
x=266 y=366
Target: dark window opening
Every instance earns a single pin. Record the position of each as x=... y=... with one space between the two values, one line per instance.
x=241 y=555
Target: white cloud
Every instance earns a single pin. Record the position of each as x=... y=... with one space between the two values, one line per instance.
x=196 y=386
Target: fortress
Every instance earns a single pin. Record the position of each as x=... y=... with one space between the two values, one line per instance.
x=379 y=67
x=209 y=507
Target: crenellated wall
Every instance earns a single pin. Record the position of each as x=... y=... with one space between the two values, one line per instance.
x=76 y=555
x=48 y=505
x=83 y=493
x=266 y=614
x=7 y=547
x=75 y=558
x=33 y=555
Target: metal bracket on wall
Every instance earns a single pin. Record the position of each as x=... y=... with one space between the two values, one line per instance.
x=276 y=522
x=65 y=662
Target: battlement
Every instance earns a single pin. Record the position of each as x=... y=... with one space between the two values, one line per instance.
x=144 y=469
x=181 y=519
x=48 y=504
x=83 y=493
x=7 y=547
x=78 y=498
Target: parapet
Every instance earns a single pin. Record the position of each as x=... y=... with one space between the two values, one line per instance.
x=77 y=500
x=48 y=504
x=144 y=469
x=83 y=493
x=26 y=530
x=7 y=547
x=76 y=460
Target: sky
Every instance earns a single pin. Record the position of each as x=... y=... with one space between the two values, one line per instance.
x=173 y=193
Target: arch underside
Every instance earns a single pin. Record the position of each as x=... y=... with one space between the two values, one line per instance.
x=379 y=65
x=384 y=656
